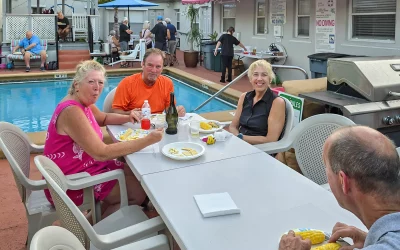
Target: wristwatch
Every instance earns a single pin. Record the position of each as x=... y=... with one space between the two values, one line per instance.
x=240 y=136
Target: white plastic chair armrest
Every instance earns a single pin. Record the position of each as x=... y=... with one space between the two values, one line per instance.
x=78 y=176
x=36 y=184
x=133 y=233
x=101 y=178
x=37 y=148
x=275 y=147
x=156 y=242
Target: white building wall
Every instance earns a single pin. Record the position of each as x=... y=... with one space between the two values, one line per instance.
x=21 y=6
x=299 y=48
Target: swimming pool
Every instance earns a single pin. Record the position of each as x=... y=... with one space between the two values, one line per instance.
x=30 y=105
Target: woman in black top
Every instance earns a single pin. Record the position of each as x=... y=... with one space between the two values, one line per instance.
x=227 y=40
x=260 y=114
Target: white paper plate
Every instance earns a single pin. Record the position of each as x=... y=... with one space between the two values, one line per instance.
x=178 y=146
x=17 y=53
x=213 y=129
x=136 y=134
x=327 y=236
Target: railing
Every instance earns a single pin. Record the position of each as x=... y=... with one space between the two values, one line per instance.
x=90 y=34
x=243 y=74
x=41 y=25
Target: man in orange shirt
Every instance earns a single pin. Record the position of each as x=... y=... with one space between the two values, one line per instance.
x=149 y=85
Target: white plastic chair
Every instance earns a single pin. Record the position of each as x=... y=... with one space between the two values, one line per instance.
x=135 y=55
x=124 y=226
x=107 y=105
x=17 y=148
x=307 y=138
x=52 y=238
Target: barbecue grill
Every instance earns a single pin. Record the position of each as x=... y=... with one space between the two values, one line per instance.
x=365 y=90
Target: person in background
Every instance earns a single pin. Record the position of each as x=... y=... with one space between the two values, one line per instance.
x=30 y=46
x=172 y=36
x=63 y=26
x=148 y=85
x=160 y=34
x=74 y=140
x=260 y=114
x=365 y=179
x=227 y=41
x=124 y=38
x=113 y=41
x=146 y=34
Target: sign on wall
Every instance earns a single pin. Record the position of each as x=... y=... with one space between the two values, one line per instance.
x=277 y=11
x=297 y=103
x=325 y=38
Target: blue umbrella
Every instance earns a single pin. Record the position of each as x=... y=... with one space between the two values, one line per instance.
x=127 y=3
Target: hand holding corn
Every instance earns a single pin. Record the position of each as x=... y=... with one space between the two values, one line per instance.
x=341 y=230
x=290 y=241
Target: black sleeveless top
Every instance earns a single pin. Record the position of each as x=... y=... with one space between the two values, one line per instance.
x=254 y=119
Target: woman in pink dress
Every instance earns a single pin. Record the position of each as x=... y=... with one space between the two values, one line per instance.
x=74 y=140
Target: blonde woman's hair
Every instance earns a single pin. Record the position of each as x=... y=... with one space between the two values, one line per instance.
x=265 y=65
x=146 y=25
x=82 y=70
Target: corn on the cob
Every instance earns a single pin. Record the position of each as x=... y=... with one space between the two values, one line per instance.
x=315 y=236
x=205 y=126
x=125 y=135
x=329 y=246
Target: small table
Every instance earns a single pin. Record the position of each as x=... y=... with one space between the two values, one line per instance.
x=272 y=198
x=153 y=162
x=260 y=55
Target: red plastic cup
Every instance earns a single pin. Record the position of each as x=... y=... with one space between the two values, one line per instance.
x=145 y=123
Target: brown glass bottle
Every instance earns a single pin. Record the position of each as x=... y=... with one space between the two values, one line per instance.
x=172 y=116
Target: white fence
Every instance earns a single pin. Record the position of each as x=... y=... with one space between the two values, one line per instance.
x=42 y=25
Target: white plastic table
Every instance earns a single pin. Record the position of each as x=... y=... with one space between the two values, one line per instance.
x=153 y=162
x=272 y=197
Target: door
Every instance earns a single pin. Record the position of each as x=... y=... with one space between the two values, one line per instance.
x=205 y=21
x=153 y=16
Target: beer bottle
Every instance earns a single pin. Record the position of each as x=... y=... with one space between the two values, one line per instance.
x=172 y=116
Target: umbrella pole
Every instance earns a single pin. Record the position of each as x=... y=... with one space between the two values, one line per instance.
x=129 y=22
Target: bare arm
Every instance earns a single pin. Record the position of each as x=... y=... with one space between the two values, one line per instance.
x=30 y=46
x=276 y=121
x=74 y=123
x=241 y=45
x=104 y=119
x=168 y=34
x=216 y=48
x=147 y=34
x=234 y=126
x=15 y=49
x=120 y=111
x=115 y=41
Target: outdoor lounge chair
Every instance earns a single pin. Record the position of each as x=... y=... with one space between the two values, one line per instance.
x=53 y=237
x=123 y=227
x=17 y=147
x=307 y=138
x=135 y=55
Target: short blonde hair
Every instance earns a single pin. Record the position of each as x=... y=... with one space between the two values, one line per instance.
x=263 y=64
x=146 y=25
x=82 y=70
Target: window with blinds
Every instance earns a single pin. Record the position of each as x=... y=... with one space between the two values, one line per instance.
x=303 y=18
x=228 y=16
x=260 y=17
x=373 y=19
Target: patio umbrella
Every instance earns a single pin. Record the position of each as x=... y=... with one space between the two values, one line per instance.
x=127 y=3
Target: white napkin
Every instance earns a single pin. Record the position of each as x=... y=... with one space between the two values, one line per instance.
x=222 y=135
x=216 y=204
x=186 y=117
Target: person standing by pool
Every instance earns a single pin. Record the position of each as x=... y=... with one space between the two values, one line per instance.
x=149 y=85
x=227 y=40
x=160 y=34
x=30 y=46
x=146 y=35
x=172 y=36
x=260 y=114
x=74 y=140
x=124 y=38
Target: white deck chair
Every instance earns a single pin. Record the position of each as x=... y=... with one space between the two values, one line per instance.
x=289 y=119
x=135 y=55
x=124 y=226
x=307 y=138
x=52 y=238
x=17 y=148
x=107 y=106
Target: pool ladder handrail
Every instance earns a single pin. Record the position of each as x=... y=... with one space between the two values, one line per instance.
x=243 y=74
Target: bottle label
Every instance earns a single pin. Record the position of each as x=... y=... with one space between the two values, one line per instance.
x=146 y=112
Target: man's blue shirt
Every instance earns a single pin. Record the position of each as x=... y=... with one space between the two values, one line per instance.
x=26 y=42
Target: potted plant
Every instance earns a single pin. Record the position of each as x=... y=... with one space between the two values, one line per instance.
x=191 y=57
x=213 y=37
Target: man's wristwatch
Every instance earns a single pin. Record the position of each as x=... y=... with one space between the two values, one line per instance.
x=240 y=136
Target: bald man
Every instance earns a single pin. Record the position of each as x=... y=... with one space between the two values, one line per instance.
x=30 y=46
x=363 y=170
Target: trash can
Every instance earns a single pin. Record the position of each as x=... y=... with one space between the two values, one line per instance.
x=208 y=54
x=319 y=63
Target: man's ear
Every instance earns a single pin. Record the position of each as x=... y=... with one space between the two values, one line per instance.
x=344 y=182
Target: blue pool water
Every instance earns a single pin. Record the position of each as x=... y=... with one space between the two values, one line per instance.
x=30 y=105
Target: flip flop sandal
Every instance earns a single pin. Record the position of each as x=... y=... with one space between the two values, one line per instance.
x=27 y=69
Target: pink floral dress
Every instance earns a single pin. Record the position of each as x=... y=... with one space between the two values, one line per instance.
x=71 y=158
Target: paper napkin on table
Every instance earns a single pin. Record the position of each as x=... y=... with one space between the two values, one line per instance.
x=216 y=204
x=186 y=117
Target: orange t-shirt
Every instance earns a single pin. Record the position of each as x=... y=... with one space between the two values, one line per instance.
x=132 y=92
